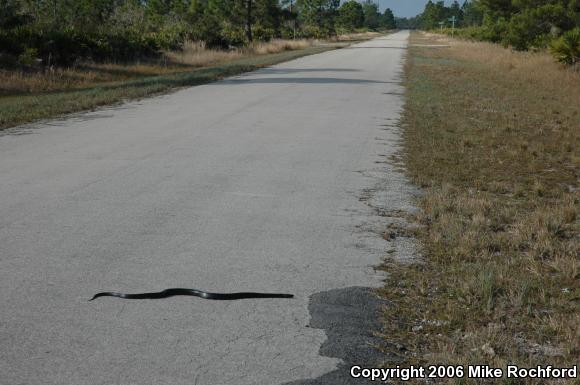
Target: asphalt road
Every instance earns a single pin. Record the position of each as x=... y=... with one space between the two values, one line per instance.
x=261 y=182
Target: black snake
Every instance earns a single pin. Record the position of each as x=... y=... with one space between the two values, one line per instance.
x=192 y=292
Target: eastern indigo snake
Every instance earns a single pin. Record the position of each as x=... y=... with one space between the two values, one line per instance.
x=192 y=292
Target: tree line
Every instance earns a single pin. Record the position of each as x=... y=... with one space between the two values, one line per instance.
x=521 y=24
x=62 y=31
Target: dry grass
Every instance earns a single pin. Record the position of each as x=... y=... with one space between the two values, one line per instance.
x=46 y=95
x=28 y=95
x=358 y=36
x=82 y=76
x=538 y=68
x=282 y=45
x=493 y=136
x=194 y=55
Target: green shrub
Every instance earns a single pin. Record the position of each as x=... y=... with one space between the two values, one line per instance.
x=523 y=25
x=233 y=35
x=64 y=47
x=531 y=28
x=28 y=57
x=314 y=31
x=494 y=32
x=263 y=33
x=287 y=32
x=566 y=49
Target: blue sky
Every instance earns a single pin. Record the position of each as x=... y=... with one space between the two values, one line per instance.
x=406 y=8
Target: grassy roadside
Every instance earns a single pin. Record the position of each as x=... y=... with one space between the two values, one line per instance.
x=493 y=137
x=28 y=97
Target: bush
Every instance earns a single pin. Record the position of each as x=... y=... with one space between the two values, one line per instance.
x=523 y=25
x=233 y=35
x=28 y=57
x=531 y=28
x=262 y=33
x=67 y=46
x=494 y=32
x=566 y=49
x=315 y=32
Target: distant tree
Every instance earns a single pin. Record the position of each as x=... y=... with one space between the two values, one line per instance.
x=503 y=8
x=318 y=16
x=372 y=17
x=389 y=19
x=408 y=23
x=456 y=11
x=351 y=15
x=289 y=18
x=249 y=4
x=521 y=24
x=267 y=19
x=433 y=14
x=472 y=13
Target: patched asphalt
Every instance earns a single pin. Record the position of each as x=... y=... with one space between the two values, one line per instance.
x=273 y=181
x=350 y=317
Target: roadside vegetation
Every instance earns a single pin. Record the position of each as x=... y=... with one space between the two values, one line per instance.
x=29 y=96
x=493 y=138
x=90 y=74
x=61 y=32
x=63 y=56
x=522 y=25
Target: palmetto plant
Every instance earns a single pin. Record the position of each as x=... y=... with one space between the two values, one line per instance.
x=566 y=49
